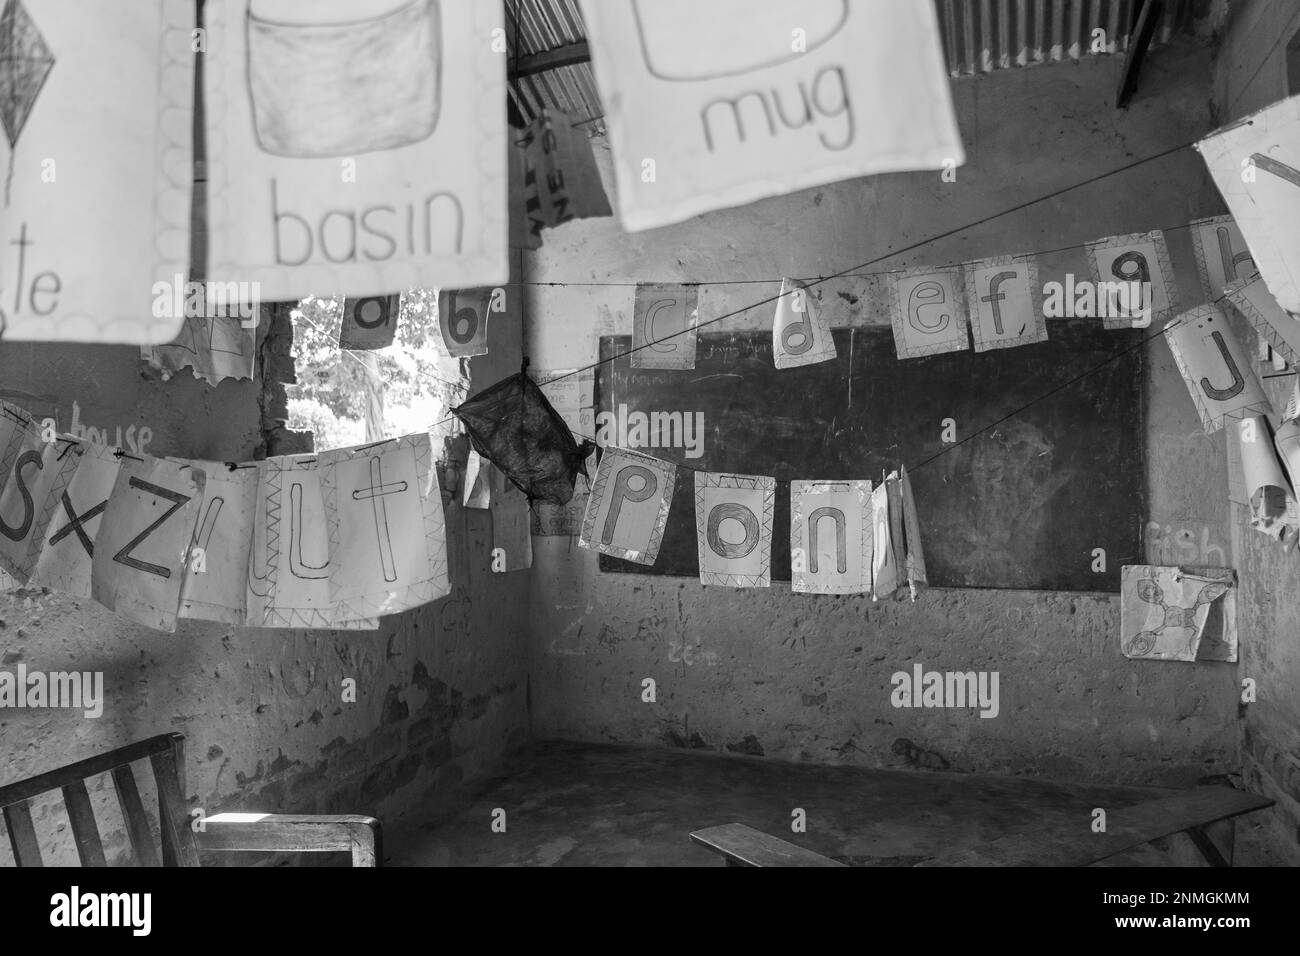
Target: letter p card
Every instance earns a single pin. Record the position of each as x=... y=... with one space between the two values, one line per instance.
x=628 y=506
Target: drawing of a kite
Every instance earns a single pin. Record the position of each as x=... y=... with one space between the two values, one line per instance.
x=25 y=62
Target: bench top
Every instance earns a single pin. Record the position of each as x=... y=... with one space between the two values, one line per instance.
x=746 y=846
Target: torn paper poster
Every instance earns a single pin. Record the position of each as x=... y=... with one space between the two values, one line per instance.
x=87 y=233
x=719 y=104
x=884 y=561
x=552 y=520
x=369 y=322
x=463 y=319
x=1255 y=163
x=1119 y=261
x=1266 y=486
x=663 y=326
x=212 y=347
x=36 y=464
x=1178 y=614
x=144 y=540
x=1005 y=302
x=216 y=584
x=1276 y=327
x=627 y=509
x=571 y=393
x=1216 y=369
x=512 y=538
x=733 y=523
x=560 y=173
x=355 y=147
x=830 y=536
x=387 y=537
x=913 y=552
x=65 y=560
x=928 y=311
x=477 y=486
x=1222 y=256
x=800 y=336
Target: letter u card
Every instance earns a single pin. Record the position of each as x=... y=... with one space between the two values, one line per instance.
x=830 y=536
x=1217 y=370
x=384 y=513
x=627 y=508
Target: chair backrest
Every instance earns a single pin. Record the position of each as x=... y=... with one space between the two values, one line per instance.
x=166 y=755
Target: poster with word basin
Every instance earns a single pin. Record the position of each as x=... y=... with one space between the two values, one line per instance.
x=35 y=468
x=733 y=525
x=383 y=508
x=627 y=509
x=357 y=147
x=216 y=585
x=69 y=548
x=716 y=103
x=144 y=540
x=830 y=536
x=96 y=104
x=1255 y=163
x=1216 y=369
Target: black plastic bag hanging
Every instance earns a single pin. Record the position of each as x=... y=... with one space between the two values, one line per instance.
x=513 y=426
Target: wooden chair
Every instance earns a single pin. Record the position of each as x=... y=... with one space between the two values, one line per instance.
x=269 y=832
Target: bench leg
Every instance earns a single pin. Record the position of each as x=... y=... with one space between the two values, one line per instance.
x=1213 y=856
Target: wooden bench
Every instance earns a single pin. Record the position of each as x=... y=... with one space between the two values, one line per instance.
x=180 y=845
x=744 y=846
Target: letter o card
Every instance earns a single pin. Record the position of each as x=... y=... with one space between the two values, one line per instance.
x=733 y=524
x=800 y=336
x=928 y=311
x=1120 y=261
x=627 y=508
x=830 y=536
x=1215 y=367
x=1006 y=302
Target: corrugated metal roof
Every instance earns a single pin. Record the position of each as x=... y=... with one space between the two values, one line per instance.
x=979 y=36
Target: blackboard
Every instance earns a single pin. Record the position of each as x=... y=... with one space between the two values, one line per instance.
x=1024 y=504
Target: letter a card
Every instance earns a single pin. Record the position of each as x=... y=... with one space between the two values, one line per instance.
x=627 y=508
x=830 y=536
x=384 y=512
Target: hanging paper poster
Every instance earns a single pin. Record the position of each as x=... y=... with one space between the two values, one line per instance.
x=1255 y=163
x=914 y=554
x=928 y=311
x=1133 y=278
x=523 y=195
x=215 y=586
x=554 y=520
x=144 y=539
x=571 y=393
x=369 y=322
x=1222 y=256
x=34 y=472
x=87 y=232
x=1216 y=369
x=800 y=336
x=387 y=538
x=664 y=318
x=512 y=538
x=463 y=319
x=884 y=562
x=560 y=173
x=733 y=521
x=358 y=146
x=69 y=549
x=1005 y=301
x=830 y=536
x=477 y=491
x=714 y=105
x=1275 y=326
x=1266 y=488
x=1178 y=614
x=627 y=509
x=214 y=347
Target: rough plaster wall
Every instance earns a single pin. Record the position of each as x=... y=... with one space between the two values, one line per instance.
x=807 y=677
x=1250 y=73
x=441 y=689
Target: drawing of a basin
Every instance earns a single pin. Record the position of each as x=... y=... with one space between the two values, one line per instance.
x=344 y=87
x=693 y=40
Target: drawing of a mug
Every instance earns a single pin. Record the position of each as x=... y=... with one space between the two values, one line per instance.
x=693 y=40
x=344 y=87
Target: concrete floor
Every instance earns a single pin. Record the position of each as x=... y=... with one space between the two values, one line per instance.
x=597 y=805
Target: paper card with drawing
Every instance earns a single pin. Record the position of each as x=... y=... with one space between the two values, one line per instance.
x=928 y=311
x=33 y=475
x=913 y=552
x=1215 y=367
x=800 y=336
x=1178 y=614
x=884 y=561
x=1005 y=301
x=664 y=318
x=69 y=548
x=1222 y=256
x=830 y=536
x=86 y=232
x=1276 y=327
x=1255 y=163
x=733 y=525
x=212 y=347
x=714 y=105
x=1121 y=261
x=357 y=147
x=463 y=320
x=627 y=509
x=388 y=544
x=477 y=485
x=216 y=587
x=369 y=322
x=144 y=540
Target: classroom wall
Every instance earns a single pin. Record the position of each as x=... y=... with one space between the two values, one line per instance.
x=1251 y=73
x=807 y=677
x=441 y=690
